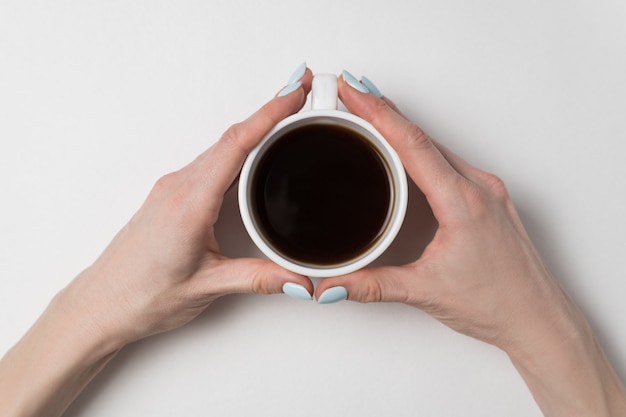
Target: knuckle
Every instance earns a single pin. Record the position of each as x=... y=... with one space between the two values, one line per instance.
x=170 y=200
x=496 y=186
x=260 y=285
x=483 y=201
x=232 y=139
x=259 y=282
x=242 y=137
x=164 y=188
x=166 y=182
x=370 y=291
x=416 y=137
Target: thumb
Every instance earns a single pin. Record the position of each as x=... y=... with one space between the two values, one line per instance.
x=379 y=284
x=249 y=275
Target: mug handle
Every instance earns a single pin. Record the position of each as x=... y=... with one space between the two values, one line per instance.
x=324 y=92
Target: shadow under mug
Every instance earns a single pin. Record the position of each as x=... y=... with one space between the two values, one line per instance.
x=324 y=113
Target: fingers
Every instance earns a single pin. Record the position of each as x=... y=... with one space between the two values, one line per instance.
x=219 y=165
x=389 y=284
x=422 y=159
x=255 y=276
x=433 y=167
x=459 y=164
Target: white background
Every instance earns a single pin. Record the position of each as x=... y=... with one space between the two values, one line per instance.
x=99 y=99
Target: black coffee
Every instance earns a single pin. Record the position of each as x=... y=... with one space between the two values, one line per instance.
x=321 y=195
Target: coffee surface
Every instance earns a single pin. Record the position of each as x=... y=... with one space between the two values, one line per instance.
x=321 y=195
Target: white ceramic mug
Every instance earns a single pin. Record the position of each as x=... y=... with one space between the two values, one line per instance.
x=324 y=111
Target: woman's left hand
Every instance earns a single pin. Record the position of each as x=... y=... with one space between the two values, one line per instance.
x=164 y=267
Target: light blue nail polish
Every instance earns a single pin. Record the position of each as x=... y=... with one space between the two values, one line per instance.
x=370 y=86
x=333 y=295
x=297 y=74
x=290 y=89
x=296 y=291
x=353 y=82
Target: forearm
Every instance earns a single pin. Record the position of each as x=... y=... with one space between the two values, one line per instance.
x=571 y=376
x=45 y=371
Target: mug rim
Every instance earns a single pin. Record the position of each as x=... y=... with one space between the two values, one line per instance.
x=397 y=213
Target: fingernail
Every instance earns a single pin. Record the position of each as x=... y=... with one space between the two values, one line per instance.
x=333 y=295
x=296 y=291
x=290 y=88
x=353 y=82
x=297 y=74
x=370 y=86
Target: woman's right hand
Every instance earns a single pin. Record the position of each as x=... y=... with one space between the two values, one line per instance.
x=481 y=274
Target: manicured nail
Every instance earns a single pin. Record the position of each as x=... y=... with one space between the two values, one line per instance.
x=290 y=88
x=297 y=74
x=370 y=86
x=353 y=82
x=296 y=291
x=333 y=295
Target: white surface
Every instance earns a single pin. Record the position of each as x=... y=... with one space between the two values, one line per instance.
x=98 y=99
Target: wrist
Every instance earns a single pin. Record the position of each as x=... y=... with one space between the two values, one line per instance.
x=94 y=312
x=568 y=373
x=51 y=364
x=81 y=328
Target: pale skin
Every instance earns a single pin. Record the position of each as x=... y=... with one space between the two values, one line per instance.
x=160 y=271
x=480 y=276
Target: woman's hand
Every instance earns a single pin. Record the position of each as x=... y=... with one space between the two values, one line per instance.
x=164 y=267
x=481 y=275
x=161 y=270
